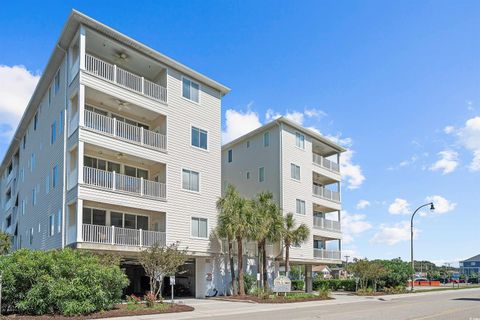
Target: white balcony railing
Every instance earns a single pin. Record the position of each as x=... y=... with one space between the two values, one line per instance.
x=326 y=193
x=125 y=131
x=124 y=78
x=322 y=223
x=123 y=183
x=122 y=236
x=327 y=254
x=327 y=164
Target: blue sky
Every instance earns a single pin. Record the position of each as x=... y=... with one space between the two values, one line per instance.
x=398 y=83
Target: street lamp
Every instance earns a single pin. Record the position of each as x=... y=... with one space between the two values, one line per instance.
x=432 y=207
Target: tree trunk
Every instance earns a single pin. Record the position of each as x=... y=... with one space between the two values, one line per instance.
x=240 y=266
x=287 y=260
x=260 y=261
x=232 y=267
x=264 y=262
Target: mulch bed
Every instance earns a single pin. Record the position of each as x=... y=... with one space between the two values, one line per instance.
x=119 y=311
x=279 y=299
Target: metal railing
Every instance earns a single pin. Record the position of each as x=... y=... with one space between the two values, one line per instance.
x=123 y=183
x=122 y=236
x=322 y=223
x=327 y=254
x=125 y=131
x=327 y=164
x=326 y=193
x=124 y=78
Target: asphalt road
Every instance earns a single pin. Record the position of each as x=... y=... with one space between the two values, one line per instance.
x=460 y=304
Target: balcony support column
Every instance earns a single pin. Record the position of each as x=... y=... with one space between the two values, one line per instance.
x=79 y=218
x=81 y=150
x=81 y=105
x=82 y=47
x=308 y=278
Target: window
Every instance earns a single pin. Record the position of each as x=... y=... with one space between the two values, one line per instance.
x=57 y=82
x=47 y=184
x=59 y=221
x=24 y=141
x=248 y=175
x=53 y=132
x=295 y=171
x=34 y=196
x=199 y=228
x=199 y=138
x=31 y=236
x=94 y=216
x=61 y=122
x=24 y=206
x=190 y=180
x=190 y=90
x=130 y=221
x=266 y=139
x=300 y=207
x=35 y=121
x=32 y=162
x=51 y=225
x=300 y=140
x=248 y=144
x=55 y=176
x=135 y=172
x=261 y=174
x=49 y=96
x=230 y=155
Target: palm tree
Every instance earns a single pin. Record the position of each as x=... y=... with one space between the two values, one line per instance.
x=267 y=226
x=234 y=222
x=292 y=236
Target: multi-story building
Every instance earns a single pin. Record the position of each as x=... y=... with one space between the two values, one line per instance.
x=471 y=266
x=301 y=168
x=119 y=148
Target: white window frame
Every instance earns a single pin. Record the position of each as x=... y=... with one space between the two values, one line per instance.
x=56 y=82
x=300 y=143
x=53 y=132
x=199 y=132
x=191 y=225
x=266 y=139
x=199 y=90
x=293 y=173
x=300 y=206
x=199 y=183
x=51 y=225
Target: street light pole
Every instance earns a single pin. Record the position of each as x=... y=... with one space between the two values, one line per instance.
x=411 y=238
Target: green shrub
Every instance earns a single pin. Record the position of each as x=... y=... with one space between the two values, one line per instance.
x=324 y=292
x=298 y=284
x=68 y=282
x=334 y=284
x=249 y=282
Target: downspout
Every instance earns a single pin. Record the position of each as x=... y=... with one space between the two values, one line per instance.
x=64 y=189
x=280 y=161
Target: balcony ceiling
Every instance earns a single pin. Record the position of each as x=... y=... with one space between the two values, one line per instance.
x=118 y=156
x=320 y=208
x=110 y=51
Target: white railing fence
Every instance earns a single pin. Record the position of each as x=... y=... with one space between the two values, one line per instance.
x=327 y=254
x=125 y=78
x=322 y=223
x=326 y=193
x=328 y=164
x=122 y=236
x=124 y=130
x=120 y=182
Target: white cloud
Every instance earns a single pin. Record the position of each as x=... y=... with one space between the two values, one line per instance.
x=448 y=162
x=449 y=129
x=238 y=123
x=404 y=163
x=16 y=87
x=399 y=206
x=353 y=225
x=351 y=172
x=441 y=204
x=362 y=204
x=295 y=116
x=393 y=234
x=469 y=137
x=271 y=115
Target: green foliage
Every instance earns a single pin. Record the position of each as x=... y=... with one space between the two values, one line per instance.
x=395 y=290
x=324 y=292
x=5 y=243
x=69 y=282
x=296 y=272
x=292 y=235
x=298 y=284
x=334 y=284
x=150 y=299
x=249 y=282
x=397 y=272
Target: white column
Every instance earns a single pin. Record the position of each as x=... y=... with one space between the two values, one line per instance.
x=82 y=46
x=79 y=218
x=308 y=278
x=81 y=105
x=200 y=278
x=81 y=146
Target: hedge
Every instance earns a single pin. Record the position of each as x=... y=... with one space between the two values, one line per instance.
x=67 y=282
x=298 y=284
x=335 y=284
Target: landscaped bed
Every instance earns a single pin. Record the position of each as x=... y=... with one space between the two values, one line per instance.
x=273 y=298
x=122 y=310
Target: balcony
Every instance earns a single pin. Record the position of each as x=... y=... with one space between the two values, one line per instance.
x=121 y=236
x=326 y=194
x=122 y=130
x=326 y=224
x=325 y=163
x=324 y=254
x=122 y=183
x=114 y=74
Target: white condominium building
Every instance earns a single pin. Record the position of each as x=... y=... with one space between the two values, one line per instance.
x=301 y=168
x=119 y=148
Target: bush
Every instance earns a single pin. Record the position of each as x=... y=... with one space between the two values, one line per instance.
x=324 y=293
x=67 y=282
x=334 y=284
x=150 y=299
x=298 y=284
x=249 y=282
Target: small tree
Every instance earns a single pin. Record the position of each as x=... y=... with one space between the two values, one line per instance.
x=160 y=262
x=292 y=236
x=5 y=243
